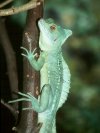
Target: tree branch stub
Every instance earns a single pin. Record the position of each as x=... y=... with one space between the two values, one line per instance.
x=15 y=10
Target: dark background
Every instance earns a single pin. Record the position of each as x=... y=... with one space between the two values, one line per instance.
x=81 y=112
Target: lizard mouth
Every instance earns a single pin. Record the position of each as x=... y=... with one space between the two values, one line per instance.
x=44 y=28
x=41 y=23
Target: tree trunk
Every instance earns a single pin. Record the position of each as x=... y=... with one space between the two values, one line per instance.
x=31 y=82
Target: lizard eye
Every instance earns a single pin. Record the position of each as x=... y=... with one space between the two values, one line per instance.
x=53 y=27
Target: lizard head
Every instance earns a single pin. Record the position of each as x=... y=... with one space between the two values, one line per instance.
x=52 y=36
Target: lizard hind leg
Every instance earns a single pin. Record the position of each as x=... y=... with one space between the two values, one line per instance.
x=44 y=98
x=38 y=105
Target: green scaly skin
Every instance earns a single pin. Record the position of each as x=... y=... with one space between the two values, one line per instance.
x=55 y=75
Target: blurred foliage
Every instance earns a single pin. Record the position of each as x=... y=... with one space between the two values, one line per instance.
x=81 y=112
x=20 y=18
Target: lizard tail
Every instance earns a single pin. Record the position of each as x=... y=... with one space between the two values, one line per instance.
x=54 y=126
x=48 y=127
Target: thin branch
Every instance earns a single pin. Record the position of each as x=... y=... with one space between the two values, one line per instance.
x=5 y=3
x=15 y=10
x=11 y=109
x=10 y=58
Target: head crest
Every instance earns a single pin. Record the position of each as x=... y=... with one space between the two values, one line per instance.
x=50 y=20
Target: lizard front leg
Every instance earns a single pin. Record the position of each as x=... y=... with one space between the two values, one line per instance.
x=30 y=55
x=37 y=105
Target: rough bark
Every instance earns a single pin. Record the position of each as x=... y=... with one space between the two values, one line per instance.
x=31 y=83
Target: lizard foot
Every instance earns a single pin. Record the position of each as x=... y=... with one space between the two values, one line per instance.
x=29 y=54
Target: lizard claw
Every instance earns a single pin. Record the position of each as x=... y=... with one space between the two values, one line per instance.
x=30 y=53
x=34 y=50
x=24 y=55
x=24 y=49
x=26 y=108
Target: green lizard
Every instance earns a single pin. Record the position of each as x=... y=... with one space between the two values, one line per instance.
x=55 y=74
